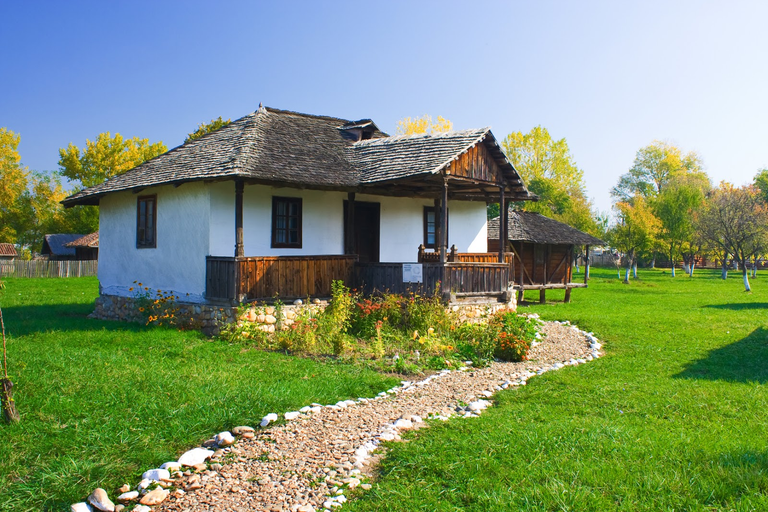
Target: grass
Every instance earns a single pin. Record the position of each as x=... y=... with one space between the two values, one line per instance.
x=673 y=418
x=101 y=402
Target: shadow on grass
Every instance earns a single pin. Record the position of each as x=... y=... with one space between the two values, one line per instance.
x=740 y=306
x=24 y=320
x=745 y=360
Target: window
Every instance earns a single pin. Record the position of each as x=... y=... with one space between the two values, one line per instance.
x=430 y=227
x=286 y=222
x=146 y=222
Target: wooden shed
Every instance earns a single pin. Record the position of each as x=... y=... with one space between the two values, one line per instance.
x=86 y=247
x=543 y=252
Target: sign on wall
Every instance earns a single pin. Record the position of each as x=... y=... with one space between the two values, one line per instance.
x=412 y=273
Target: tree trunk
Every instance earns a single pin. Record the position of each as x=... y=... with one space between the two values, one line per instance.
x=746 y=278
x=10 y=414
x=693 y=265
x=626 y=274
x=653 y=260
x=673 y=269
x=634 y=270
x=724 y=274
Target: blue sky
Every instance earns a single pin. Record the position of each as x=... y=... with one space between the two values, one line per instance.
x=610 y=77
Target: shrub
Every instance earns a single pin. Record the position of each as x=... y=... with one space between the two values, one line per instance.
x=335 y=320
x=514 y=335
x=157 y=309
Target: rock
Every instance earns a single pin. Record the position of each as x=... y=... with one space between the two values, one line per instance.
x=298 y=302
x=225 y=439
x=353 y=482
x=142 y=508
x=124 y=488
x=402 y=423
x=238 y=431
x=119 y=508
x=248 y=435
x=195 y=456
x=170 y=466
x=128 y=496
x=155 y=497
x=156 y=475
x=478 y=405
x=100 y=501
x=292 y=415
x=143 y=485
x=366 y=487
x=270 y=319
x=81 y=507
x=269 y=418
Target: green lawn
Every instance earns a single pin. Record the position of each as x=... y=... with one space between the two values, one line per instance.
x=101 y=402
x=675 y=417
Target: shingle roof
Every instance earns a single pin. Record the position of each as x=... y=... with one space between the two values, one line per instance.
x=91 y=240
x=7 y=249
x=390 y=158
x=535 y=228
x=57 y=244
x=293 y=149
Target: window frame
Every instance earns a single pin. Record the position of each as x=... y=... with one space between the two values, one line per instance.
x=276 y=244
x=433 y=210
x=141 y=242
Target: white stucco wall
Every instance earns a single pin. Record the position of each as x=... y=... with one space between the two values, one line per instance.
x=197 y=219
x=402 y=226
x=177 y=263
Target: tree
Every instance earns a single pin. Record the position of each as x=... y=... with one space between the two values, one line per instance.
x=105 y=158
x=675 y=207
x=550 y=172
x=635 y=230
x=423 y=124
x=761 y=182
x=735 y=219
x=13 y=185
x=204 y=128
x=656 y=165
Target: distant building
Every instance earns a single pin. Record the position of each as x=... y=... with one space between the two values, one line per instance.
x=86 y=247
x=55 y=246
x=7 y=252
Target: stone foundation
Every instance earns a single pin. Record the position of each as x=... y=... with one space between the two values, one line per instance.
x=209 y=317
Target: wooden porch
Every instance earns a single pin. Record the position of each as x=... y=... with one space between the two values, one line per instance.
x=245 y=279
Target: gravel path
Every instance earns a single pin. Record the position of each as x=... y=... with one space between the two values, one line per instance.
x=308 y=463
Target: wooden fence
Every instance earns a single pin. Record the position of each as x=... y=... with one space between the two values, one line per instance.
x=265 y=277
x=45 y=268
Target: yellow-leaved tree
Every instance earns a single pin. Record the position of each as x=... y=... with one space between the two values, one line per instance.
x=636 y=230
x=423 y=124
x=102 y=159
x=13 y=186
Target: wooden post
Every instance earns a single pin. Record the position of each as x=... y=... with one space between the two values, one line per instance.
x=350 y=240
x=503 y=233
x=586 y=265
x=239 y=250
x=542 y=295
x=10 y=413
x=422 y=250
x=444 y=287
x=568 y=294
x=438 y=228
x=444 y=223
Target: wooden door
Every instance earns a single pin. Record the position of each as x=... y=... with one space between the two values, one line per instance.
x=366 y=232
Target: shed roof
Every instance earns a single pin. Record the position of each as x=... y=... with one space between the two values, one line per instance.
x=536 y=228
x=57 y=244
x=285 y=148
x=90 y=240
x=7 y=249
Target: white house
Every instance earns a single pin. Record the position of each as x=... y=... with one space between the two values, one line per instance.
x=279 y=202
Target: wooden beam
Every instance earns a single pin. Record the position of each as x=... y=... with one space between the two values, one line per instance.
x=444 y=222
x=503 y=234
x=239 y=250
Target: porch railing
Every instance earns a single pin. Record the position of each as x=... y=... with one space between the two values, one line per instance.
x=454 y=279
x=286 y=277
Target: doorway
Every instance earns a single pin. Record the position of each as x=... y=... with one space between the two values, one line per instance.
x=366 y=232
